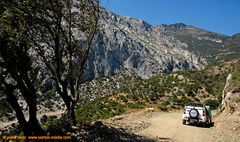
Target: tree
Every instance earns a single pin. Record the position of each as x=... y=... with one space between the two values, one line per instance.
x=58 y=33
x=62 y=32
x=16 y=72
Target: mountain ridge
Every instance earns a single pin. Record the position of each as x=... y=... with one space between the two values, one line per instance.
x=125 y=42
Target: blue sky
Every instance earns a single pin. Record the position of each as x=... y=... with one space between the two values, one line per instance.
x=221 y=16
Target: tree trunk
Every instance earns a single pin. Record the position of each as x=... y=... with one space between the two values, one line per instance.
x=35 y=128
x=72 y=114
x=70 y=104
x=33 y=123
x=32 y=127
x=12 y=100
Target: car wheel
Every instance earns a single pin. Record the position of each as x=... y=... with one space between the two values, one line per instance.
x=210 y=123
x=184 y=122
x=207 y=123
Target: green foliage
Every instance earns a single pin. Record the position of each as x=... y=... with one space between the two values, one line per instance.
x=154 y=89
x=174 y=98
x=213 y=51
x=165 y=103
x=134 y=98
x=100 y=108
x=123 y=98
x=49 y=94
x=135 y=105
x=169 y=91
x=235 y=81
x=191 y=88
x=57 y=126
x=183 y=101
x=236 y=73
x=212 y=83
x=163 y=108
x=196 y=99
x=49 y=104
x=214 y=104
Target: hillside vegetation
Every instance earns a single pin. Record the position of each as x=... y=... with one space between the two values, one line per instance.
x=164 y=92
x=109 y=96
x=212 y=46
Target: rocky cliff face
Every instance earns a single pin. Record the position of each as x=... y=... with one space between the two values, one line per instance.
x=227 y=126
x=231 y=102
x=231 y=91
x=231 y=96
x=125 y=42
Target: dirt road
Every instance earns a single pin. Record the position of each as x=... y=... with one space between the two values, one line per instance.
x=168 y=126
x=165 y=126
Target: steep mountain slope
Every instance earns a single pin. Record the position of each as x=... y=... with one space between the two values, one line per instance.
x=212 y=46
x=125 y=42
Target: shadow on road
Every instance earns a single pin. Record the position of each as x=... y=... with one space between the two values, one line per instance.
x=103 y=133
x=202 y=126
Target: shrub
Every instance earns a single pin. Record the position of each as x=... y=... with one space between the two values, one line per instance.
x=173 y=107
x=174 y=98
x=123 y=98
x=99 y=109
x=165 y=103
x=137 y=105
x=49 y=93
x=163 y=108
x=196 y=99
x=134 y=97
x=190 y=88
x=214 y=104
x=236 y=73
x=56 y=126
x=183 y=100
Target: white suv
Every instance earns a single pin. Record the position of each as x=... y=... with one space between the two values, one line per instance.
x=197 y=113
